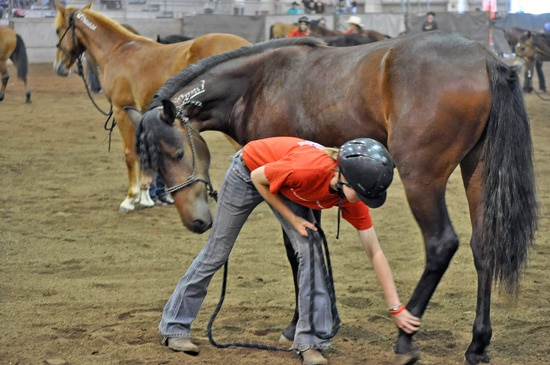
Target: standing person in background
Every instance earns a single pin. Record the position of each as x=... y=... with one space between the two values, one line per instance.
x=303 y=28
x=294 y=176
x=294 y=9
x=309 y=6
x=319 y=7
x=353 y=8
x=430 y=23
x=355 y=25
x=157 y=192
x=538 y=64
x=238 y=7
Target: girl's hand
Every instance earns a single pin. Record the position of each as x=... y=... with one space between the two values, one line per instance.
x=407 y=322
x=301 y=225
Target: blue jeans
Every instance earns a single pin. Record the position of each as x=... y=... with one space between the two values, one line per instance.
x=157 y=189
x=237 y=199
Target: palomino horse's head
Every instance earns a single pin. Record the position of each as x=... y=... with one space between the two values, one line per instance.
x=69 y=46
x=181 y=156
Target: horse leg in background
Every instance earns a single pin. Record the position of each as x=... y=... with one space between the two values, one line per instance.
x=93 y=78
x=138 y=182
x=5 y=79
x=540 y=75
x=528 y=76
x=290 y=330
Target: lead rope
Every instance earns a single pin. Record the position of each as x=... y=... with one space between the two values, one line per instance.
x=327 y=272
x=80 y=71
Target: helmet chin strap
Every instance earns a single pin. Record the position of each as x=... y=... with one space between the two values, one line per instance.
x=340 y=190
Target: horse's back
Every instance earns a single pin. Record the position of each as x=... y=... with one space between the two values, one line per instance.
x=378 y=77
x=213 y=43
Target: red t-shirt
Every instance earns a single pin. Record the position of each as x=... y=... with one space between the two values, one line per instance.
x=301 y=171
x=296 y=33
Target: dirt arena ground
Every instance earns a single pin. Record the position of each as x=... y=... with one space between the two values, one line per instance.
x=85 y=284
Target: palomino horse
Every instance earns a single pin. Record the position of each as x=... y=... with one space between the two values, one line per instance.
x=132 y=69
x=93 y=68
x=533 y=48
x=432 y=121
x=12 y=47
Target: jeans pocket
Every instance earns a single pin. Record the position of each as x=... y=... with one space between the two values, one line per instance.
x=242 y=172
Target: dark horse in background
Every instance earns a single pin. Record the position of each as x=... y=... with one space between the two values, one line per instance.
x=172 y=38
x=12 y=47
x=432 y=121
x=513 y=36
x=533 y=48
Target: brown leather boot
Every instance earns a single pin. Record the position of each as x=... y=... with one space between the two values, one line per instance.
x=183 y=344
x=313 y=357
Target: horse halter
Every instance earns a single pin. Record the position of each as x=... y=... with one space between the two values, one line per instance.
x=193 y=178
x=72 y=55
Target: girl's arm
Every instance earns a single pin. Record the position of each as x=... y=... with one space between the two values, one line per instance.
x=403 y=318
x=261 y=183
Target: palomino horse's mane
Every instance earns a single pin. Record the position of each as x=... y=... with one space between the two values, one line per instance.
x=175 y=83
x=61 y=20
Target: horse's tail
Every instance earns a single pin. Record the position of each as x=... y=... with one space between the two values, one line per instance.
x=271 y=35
x=19 y=58
x=509 y=193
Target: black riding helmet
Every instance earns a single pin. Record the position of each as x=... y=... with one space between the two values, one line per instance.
x=304 y=19
x=368 y=167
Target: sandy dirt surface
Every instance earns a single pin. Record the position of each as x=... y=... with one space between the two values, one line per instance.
x=85 y=284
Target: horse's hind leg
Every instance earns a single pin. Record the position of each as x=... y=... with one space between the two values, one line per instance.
x=482 y=330
x=5 y=78
x=540 y=75
x=528 y=76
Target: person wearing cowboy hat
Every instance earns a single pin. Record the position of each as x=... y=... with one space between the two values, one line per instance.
x=355 y=25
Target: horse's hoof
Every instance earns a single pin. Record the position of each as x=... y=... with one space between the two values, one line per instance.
x=404 y=359
x=284 y=340
x=144 y=200
x=475 y=359
x=126 y=206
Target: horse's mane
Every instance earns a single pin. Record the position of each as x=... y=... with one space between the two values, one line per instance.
x=175 y=83
x=97 y=16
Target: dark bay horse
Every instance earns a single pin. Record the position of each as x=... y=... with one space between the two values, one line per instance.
x=12 y=47
x=533 y=48
x=172 y=38
x=132 y=69
x=401 y=93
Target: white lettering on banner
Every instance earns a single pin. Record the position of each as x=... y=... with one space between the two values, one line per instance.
x=185 y=98
x=87 y=22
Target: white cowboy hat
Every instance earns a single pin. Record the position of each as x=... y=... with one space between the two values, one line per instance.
x=354 y=20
